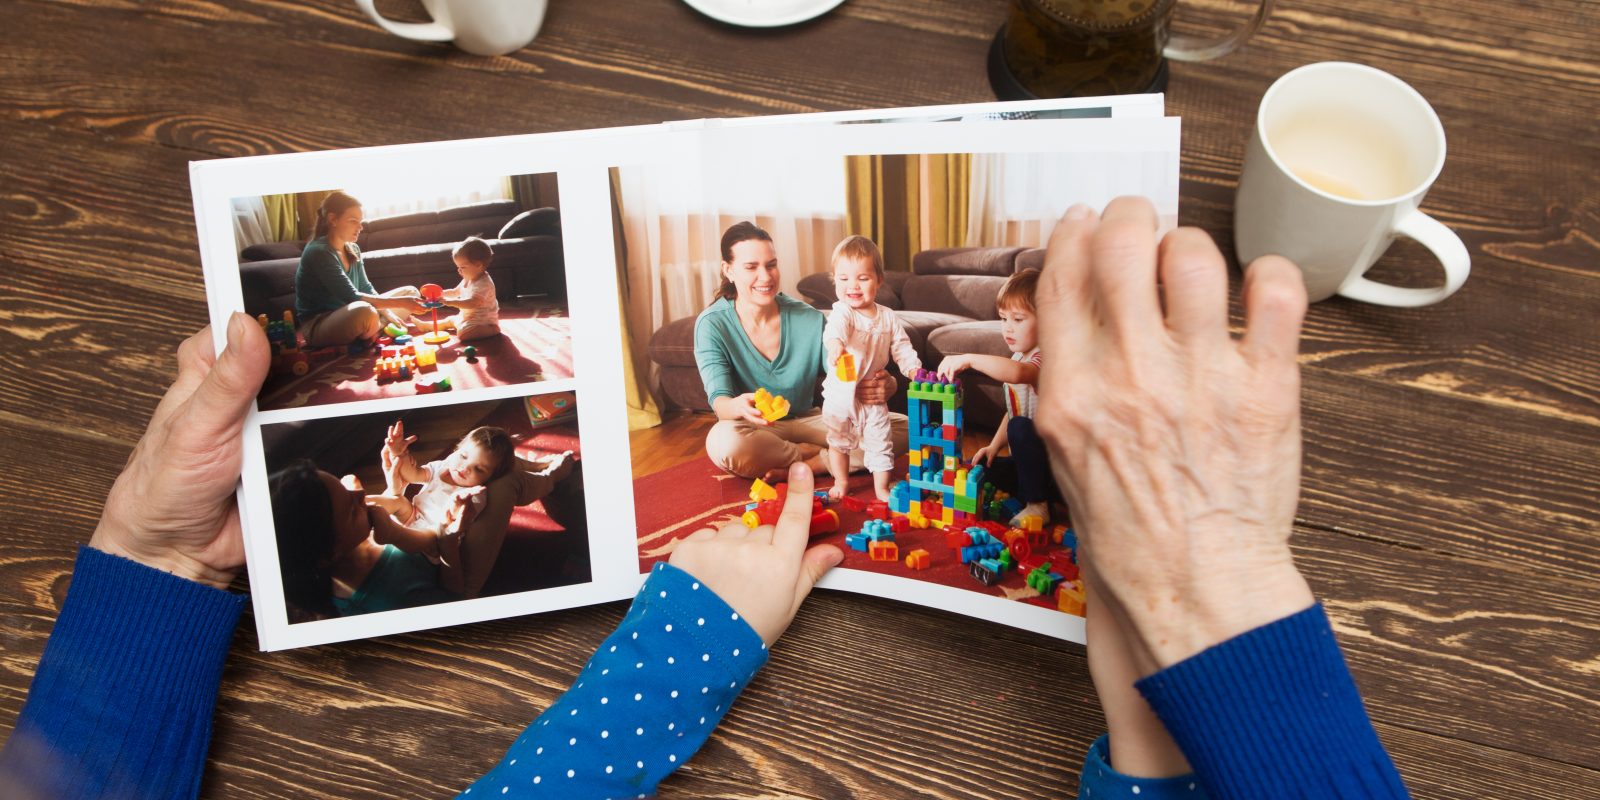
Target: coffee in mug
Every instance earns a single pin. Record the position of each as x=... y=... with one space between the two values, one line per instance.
x=1337 y=166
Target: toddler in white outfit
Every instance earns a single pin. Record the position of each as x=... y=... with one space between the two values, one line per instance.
x=869 y=334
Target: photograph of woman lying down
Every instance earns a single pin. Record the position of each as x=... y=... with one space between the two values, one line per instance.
x=386 y=511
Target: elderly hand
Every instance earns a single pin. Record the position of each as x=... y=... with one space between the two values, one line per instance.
x=172 y=507
x=766 y=572
x=1177 y=447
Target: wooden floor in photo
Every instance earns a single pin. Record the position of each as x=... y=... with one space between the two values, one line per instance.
x=1448 y=517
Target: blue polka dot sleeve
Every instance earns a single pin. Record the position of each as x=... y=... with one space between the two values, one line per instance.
x=642 y=706
x=1099 y=781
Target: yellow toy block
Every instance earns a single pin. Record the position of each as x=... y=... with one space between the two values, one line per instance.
x=949 y=516
x=914 y=507
x=427 y=356
x=914 y=458
x=1069 y=599
x=917 y=520
x=751 y=519
x=760 y=491
x=772 y=407
x=1032 y=523
x=845 y=368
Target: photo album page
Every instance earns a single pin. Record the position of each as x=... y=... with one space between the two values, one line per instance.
x=509 y=374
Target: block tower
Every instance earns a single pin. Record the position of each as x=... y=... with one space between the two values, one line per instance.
x=940 y=487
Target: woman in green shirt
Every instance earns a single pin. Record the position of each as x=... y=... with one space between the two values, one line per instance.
x=333 y=300
x=753 y=336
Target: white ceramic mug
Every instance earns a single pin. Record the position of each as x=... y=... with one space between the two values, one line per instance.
x=1341 y=157
x=480 y=27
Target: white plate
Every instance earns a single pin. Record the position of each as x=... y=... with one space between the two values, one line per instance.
x=763 y=13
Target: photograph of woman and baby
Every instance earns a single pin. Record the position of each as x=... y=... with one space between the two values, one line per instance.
x=390 y=289
x=384 y=511
x=834 y=292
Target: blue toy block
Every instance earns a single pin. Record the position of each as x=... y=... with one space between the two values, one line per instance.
x=856 y=541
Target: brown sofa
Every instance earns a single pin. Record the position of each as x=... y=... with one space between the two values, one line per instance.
x=413 y=249
x=946 y=303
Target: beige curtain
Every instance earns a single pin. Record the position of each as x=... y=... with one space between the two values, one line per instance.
x=534 y=191
x=908 y=203
x=637 y=370
x=283 y=223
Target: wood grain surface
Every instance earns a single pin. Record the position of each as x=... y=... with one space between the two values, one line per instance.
x=1449 y=512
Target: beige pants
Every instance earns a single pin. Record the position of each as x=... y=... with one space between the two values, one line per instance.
x=750 y=451
x=358 y=320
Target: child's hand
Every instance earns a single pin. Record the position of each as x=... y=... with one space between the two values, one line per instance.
x=986 y=454
x=952 y=366
x=763 y=573
x=397 y=442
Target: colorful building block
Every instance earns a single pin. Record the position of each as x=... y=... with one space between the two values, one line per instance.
x=760 y=491
x=845 y=368
x=771 y=407
x=883 y=551
x=1070 y=599
x=877 y=509
x=856 y=541
x=919 y=559
x=984 y=572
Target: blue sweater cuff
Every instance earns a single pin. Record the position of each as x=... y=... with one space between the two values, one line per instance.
x=121 y=702
x=1274 y=712
x=643 y=705
x=1099 y=781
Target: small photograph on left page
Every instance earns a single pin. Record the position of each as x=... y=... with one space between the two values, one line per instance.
x=414 y=507
x=376 y=290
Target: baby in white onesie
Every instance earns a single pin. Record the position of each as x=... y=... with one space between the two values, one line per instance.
x=864 y=336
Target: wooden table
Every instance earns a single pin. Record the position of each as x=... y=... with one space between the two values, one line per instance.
x=1452 y=460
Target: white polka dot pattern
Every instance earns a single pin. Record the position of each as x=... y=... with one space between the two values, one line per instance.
x=693 y=636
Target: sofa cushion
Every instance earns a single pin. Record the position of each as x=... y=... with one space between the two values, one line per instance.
x=969 y=296
x=969 y=337
x=672 y=345
x=1030 y=259
x=534 y=222
x=966 y=261
x=817 y=289
x=483 y=220
x=920 y=325
x=267 y=251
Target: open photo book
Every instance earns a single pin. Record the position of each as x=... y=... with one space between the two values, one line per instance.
x=509 y=374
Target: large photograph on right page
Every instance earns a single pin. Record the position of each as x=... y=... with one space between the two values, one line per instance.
x=743 y=284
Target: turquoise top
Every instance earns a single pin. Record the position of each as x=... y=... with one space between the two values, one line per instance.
x=398 y=580
x=730 y=364
x=321 y=284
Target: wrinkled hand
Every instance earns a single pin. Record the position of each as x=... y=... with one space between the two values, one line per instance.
x=763 y=573
x=1177 y=447
x=172 y=507
x=876 y=389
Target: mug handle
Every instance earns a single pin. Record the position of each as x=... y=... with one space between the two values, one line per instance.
x=416 y=31
x=1186 y=47
x=1446 y=247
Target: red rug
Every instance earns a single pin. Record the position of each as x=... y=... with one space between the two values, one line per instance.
x=534 y=344
x=678 y=501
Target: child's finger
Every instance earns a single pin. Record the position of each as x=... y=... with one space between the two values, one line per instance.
x=794 y=522
x=813 y=565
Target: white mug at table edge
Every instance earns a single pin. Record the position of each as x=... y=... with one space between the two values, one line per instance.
x=1338 y=162
x=480 y=27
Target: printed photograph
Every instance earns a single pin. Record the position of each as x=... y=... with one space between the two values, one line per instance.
x=385 y=511
x=872 y=316
x=404 y=287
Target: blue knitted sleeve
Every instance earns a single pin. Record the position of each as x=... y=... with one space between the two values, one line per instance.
x=1274 y=712
x=643 y=705
x=122 y=699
